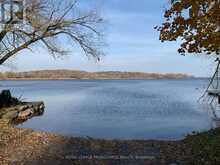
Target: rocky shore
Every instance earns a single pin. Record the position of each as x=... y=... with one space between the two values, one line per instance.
x=16 y=111
x=21 y=112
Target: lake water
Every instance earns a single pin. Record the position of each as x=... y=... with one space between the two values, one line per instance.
x=124 y=109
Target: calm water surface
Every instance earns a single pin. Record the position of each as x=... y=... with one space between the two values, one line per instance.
x=125 y=109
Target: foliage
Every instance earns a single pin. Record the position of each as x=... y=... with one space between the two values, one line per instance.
x=7 y=100
x=196 y=23
x=204 y=148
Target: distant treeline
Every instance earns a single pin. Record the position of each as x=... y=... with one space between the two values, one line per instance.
x=71 y=74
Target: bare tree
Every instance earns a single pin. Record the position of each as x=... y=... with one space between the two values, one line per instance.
x=48 y=21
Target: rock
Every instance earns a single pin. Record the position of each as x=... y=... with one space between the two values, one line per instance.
x=22 y=108
x=10 y=115
x=22 y=111
x=41 y=106
x=33 y=111
x=25 y=114
x=31 y=106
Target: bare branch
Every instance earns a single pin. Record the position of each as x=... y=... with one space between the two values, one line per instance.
x=46 y=22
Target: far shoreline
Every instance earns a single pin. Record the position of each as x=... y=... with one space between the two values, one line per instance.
x=84 y=75
x=60 y=79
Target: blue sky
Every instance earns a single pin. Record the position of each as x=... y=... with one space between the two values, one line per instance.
x=133 y=44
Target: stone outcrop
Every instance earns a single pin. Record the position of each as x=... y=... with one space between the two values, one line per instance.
x=22 y=112
x=16 y=111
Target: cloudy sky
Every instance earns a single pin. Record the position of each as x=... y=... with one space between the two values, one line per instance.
x=132 y=44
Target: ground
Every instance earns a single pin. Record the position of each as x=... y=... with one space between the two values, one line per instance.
x=25 y=146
